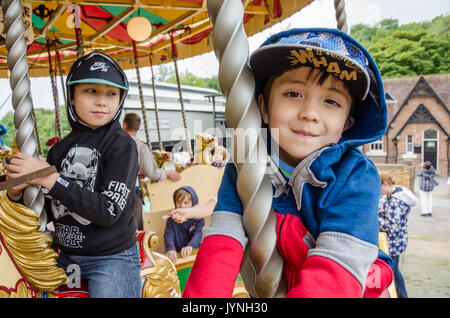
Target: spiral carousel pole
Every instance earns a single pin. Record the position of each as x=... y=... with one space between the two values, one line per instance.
x=180 y=93
x=262 y=265
x=141 y=95
x=156 y=105
x=24 y=120
x=341 y=17
x=58 y=125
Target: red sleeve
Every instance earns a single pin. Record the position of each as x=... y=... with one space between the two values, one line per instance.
x=215 y=269
x=379 y=278
x=321 y=277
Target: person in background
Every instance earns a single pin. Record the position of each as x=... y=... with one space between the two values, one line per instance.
x=183 y=237
x=426 y=174
x=393 y=210
x=146 y=163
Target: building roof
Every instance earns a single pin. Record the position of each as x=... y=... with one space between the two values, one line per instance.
x=168 y=98
x=400 y=88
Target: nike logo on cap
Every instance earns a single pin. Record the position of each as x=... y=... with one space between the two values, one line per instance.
x=99 y=66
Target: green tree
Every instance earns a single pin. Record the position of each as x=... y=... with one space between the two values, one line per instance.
x=187 y=78
x=166 y=73
x=408 y=53
x=409 y=49
x=46 y=126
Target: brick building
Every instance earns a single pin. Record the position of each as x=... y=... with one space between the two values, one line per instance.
x=418 y=123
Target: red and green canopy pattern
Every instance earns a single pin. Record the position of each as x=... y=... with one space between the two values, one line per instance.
x=103 y=27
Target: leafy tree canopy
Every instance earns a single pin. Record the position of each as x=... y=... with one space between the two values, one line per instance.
x=409 y=49
x=166 y=73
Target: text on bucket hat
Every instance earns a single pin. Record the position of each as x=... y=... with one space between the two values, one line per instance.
x=328 y=50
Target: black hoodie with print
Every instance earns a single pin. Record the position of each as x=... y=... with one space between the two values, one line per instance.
x=91 y=203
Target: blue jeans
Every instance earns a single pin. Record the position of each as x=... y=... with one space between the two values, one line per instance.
x=398 y=278
x=110 y=276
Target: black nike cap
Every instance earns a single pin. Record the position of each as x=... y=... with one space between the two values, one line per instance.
x=97 y=67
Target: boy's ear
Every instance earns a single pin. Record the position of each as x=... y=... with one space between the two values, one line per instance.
x=263 y=109
x=349 y=123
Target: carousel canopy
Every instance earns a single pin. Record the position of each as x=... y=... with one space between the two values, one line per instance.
x=68 y=28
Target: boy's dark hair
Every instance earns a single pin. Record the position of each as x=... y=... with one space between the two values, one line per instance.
x=133 y=121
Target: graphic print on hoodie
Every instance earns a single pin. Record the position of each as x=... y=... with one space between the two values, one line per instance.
x=91 y=205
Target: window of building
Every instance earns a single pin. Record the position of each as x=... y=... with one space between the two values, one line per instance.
x=430 y=134
x=376 y=146
x=409 y=144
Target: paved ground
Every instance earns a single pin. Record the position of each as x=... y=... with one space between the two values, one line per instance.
x=426 y=263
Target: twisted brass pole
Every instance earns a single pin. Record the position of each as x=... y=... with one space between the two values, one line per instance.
x=262 y=265
x=24 y=120
x=58 y=125
x=61 y=75
x=141 y=96
x=156 y=105
x=180 y=94
x=341 y=17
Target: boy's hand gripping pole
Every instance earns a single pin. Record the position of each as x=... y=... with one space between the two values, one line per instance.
x=25 y=178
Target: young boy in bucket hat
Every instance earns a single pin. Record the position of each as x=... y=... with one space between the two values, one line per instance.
x=89 y=198
x=321 y=96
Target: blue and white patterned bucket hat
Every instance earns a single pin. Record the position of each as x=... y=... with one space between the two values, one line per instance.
x=329 y=50
x=336 y=53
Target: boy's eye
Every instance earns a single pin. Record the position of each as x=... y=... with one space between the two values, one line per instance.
x=332 y=102
x=293 y=94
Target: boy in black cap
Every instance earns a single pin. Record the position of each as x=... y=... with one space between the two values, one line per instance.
x=89 y=197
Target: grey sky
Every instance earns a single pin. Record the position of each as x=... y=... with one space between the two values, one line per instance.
x=320 y=14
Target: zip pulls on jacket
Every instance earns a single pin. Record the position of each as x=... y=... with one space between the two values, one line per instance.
x=302 y=174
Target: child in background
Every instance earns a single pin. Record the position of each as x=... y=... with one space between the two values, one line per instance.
x=393 y=210
x=321 y=95
x=183 y=237
x=90 y=198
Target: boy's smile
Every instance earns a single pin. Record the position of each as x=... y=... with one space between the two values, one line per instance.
x=95 y=103
x=304 y=115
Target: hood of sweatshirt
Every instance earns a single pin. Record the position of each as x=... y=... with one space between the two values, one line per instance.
x=191 y=191
x=405 y=195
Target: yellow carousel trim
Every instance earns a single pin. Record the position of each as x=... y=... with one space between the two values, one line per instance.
x=161 y=280
x=28 y=249
x=383 y=244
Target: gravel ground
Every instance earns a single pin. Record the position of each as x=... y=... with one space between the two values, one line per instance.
x=426 y=263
